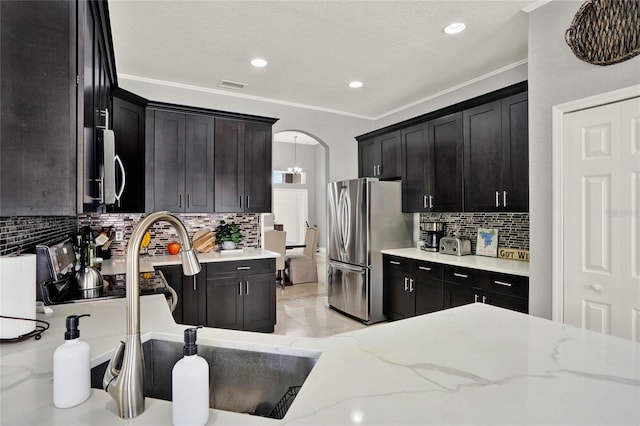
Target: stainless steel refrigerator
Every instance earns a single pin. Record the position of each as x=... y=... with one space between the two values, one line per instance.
x=365 y=216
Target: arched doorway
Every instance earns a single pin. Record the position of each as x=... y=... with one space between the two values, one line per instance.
x=299 y=198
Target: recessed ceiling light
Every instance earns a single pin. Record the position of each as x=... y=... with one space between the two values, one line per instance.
x=455 y=28
x=259 y=62
x=355 y=84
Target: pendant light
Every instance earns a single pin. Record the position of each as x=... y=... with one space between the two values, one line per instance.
x=295 y=169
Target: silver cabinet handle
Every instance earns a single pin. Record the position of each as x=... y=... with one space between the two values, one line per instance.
x=241 y=201
x=239 y=288
x=243 y=268
x=455 y=274
x=195 y=285
x=117 y=159
x=405 y=284
x=424 y=201
x=497 y=198
x=475 y=298
x=502 y=283
x=248 y=203
x=484 y=299
x=424 y=268
x=179 y=201
x=504 y=198
x=411 y=285
x=393 y=262
x=379 y=169
x=430 y=201
x=188 y=200
x=247 y=284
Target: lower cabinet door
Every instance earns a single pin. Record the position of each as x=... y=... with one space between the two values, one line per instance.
x=225 y=302
x=259 y=299
x=518 y=304
x=458 y=295
x=429 y=295
x=194 y=299
x=400 y=298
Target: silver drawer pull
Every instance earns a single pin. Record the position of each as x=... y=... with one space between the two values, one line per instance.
x=455 y=274
x=243 y=268
x=393 y=262
x=424 y=268
x=502 y=283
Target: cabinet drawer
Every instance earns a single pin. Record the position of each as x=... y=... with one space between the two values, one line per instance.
x=429 y=270
x=466 y=276
x=399 y=263
x=512 y=285
x=254 y=266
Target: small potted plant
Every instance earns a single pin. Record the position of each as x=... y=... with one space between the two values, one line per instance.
x=228 y=235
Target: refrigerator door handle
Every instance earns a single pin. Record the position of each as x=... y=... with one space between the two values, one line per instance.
x=347 y=267
x=344 y=217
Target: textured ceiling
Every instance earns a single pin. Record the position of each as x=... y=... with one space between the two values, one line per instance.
x=314 y=48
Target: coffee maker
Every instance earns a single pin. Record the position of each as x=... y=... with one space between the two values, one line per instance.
x=433 y=231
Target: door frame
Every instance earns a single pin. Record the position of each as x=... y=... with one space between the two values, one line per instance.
x=557 y=246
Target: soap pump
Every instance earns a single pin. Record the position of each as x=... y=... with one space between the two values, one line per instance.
x=71 y=367
x=190 y=384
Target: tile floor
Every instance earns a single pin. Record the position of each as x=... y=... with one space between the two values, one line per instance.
x=302 y=310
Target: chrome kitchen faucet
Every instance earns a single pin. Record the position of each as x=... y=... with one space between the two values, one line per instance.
x=126 y=384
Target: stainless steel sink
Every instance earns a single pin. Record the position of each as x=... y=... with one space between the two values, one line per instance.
x=241 y=381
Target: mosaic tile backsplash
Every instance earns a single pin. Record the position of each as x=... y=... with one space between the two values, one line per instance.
x=23 y=233
x=163 y=233
x=513 y=228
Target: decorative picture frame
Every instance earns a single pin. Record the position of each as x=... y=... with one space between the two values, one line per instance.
x=487 y=242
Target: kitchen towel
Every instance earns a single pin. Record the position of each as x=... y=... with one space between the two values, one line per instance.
x=17 y=294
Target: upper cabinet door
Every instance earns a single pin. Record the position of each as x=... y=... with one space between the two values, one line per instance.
x=199 y=153
x=445 y=166
x=515 y=152
x=229 y=166
x=415 y=163
x=257 y=167
x=169 y=162
x=368 y=158
x=390 y=156
x=381 y=156
x=483 y=157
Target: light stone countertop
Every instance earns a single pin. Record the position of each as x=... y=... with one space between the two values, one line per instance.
x=505 y=266
x=147 y=263
x=475 y=364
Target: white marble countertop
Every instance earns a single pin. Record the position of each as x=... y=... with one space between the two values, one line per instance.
x=505 y=266
x=147 y=263
x=476 y=364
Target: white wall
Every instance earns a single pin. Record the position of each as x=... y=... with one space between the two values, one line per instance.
x=556 y=76
x=468 y=90
x=336 y=131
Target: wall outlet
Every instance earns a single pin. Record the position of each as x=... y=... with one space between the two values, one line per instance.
x=119 y=235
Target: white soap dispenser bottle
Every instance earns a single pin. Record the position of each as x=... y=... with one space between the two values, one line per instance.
x=190 y=384
x=71 y=367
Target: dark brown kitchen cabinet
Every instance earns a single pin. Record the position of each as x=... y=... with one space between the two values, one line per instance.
x=380 y=156
x=179 y=167
x=411 y=287
x=432 y=165
x=191 y=292
x=496 y=156
x=465 y=285
x=57 y=73
x=129 y=128
x=242 y=166
x=96 y=77
x=241 y=295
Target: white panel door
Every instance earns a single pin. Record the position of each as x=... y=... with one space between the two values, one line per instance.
x=601 y=180
x=290 y=208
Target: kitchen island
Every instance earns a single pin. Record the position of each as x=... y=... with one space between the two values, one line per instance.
x=475 y=364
